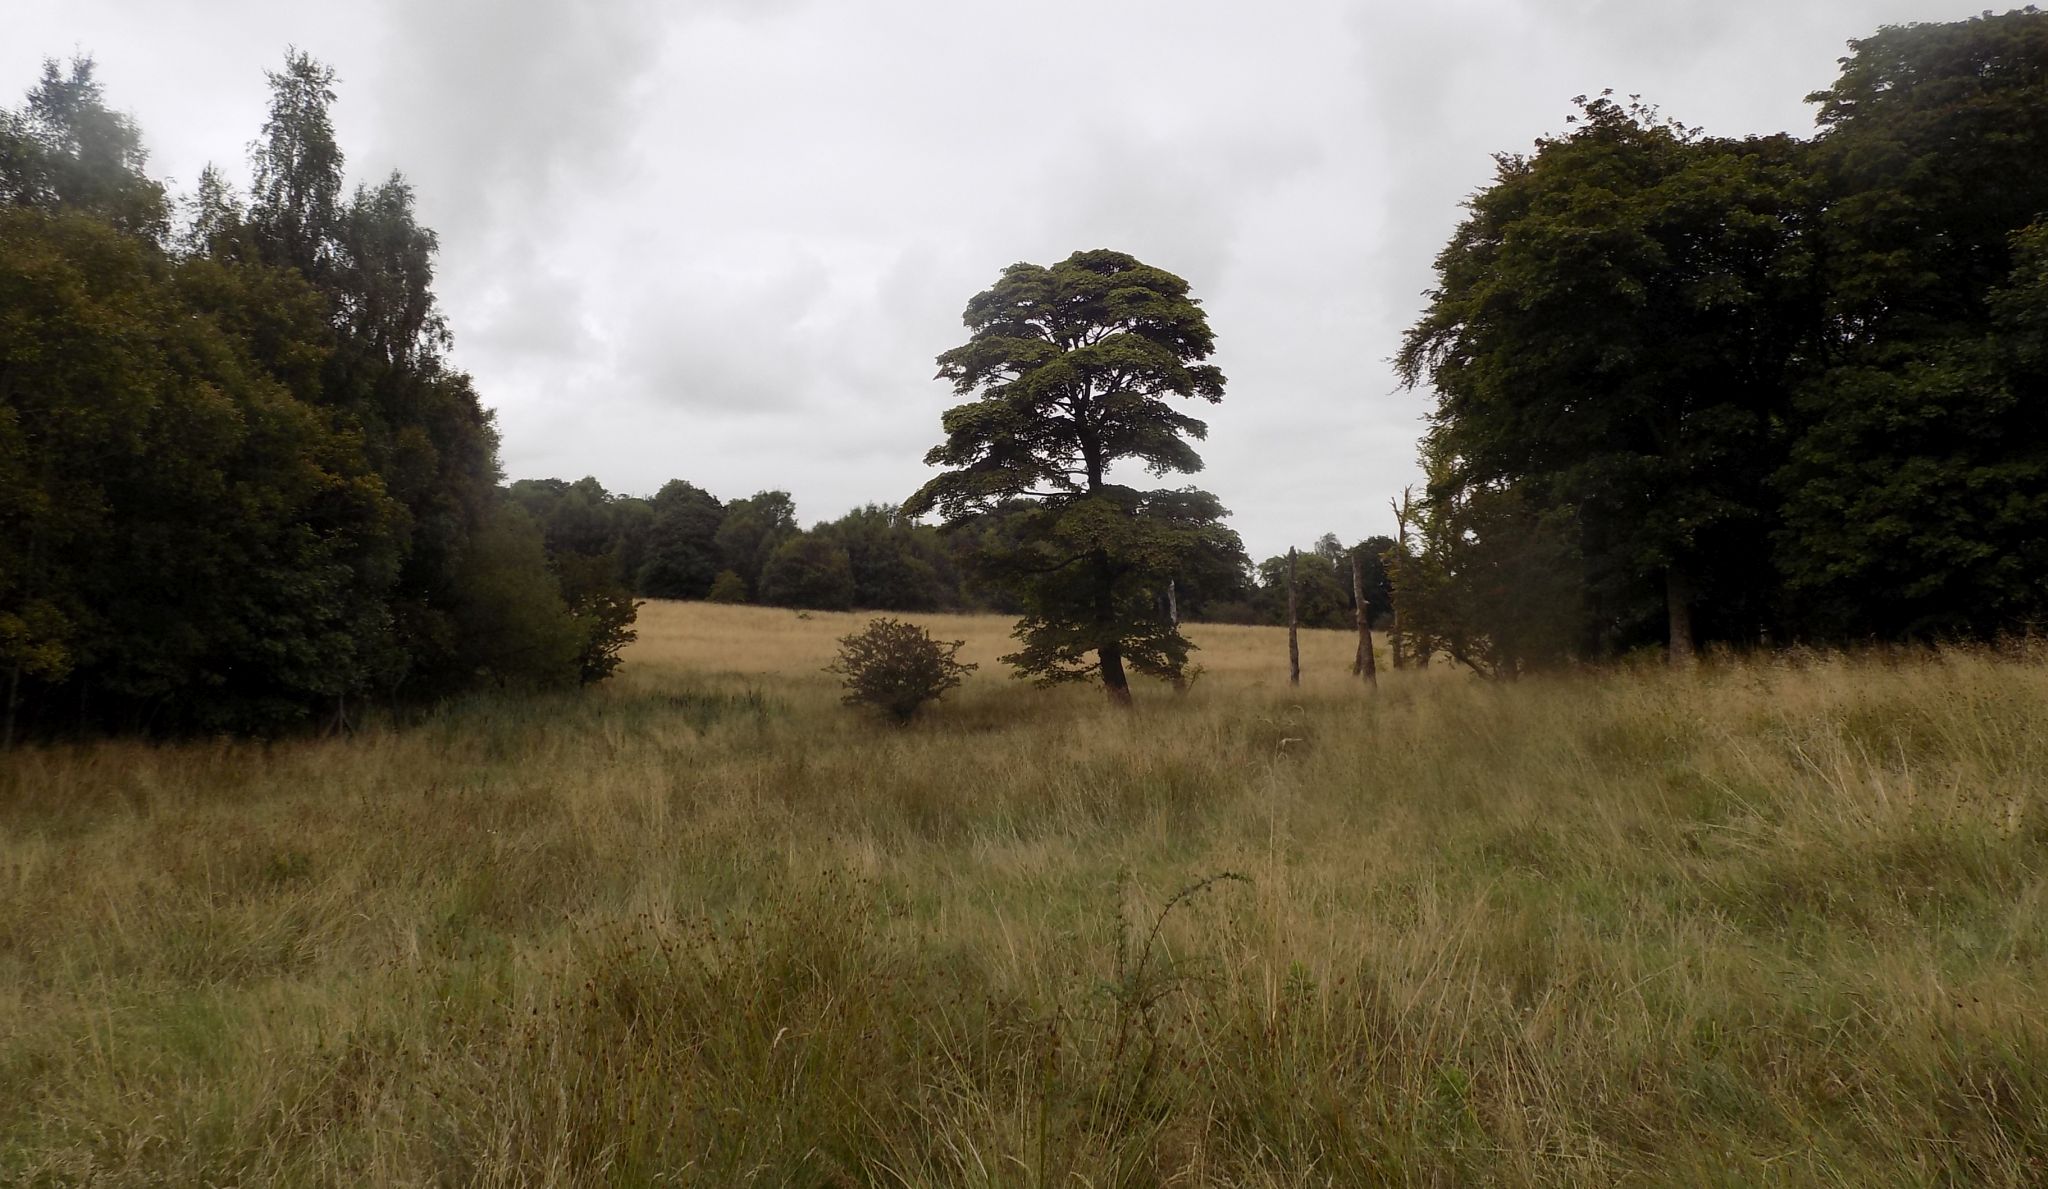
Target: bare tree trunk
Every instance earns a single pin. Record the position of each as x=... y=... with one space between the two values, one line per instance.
x=1403 y=511
x=1678 y=609
x=1293 y=626
x=1365 y=666
x=1179 y=677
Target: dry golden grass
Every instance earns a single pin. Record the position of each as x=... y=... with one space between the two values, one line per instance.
x=1777 y=922
x=746 y=641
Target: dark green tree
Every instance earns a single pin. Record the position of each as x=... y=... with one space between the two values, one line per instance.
x=296 y=208
x=66 y=150
x=1616 y=331
x=1373 y=554
x=575 y=518
x=1215 y=573
x=422 y=422
x=632 y=529
x=1322 y=597
x=189 y=546
x=1070 y=370
x=239 y=486
x=681 y=557
x=751 y=531
x=584 y=529
x=808 y=570
x=897 y=564
x=510 y=618
x=1916 y=492
x=1046 y=562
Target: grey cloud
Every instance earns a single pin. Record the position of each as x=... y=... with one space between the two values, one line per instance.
x=724 y=240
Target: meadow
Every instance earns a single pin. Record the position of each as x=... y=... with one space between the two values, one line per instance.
x=1782 y=920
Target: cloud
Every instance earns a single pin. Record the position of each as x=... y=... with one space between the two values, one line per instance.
x=724 y=240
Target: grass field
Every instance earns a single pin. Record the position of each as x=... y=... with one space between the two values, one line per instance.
x=1773 y=922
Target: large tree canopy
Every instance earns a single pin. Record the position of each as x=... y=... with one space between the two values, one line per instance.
x=1916 y=496
x=1795 y=383
x=1070 y=370
x=240 y=487
x=1612 y=333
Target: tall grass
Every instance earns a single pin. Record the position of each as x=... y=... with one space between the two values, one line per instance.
x=1780 y=921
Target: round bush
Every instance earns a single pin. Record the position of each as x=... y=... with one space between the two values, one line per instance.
x=897 y=667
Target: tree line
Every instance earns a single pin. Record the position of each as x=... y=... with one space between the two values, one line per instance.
x=1688 y=389
x=241 y=489
x=1693 y=388
x=685 y=543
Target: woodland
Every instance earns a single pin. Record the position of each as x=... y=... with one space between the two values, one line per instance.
x=1690 y=390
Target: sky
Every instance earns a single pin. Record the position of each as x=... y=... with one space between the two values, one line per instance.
x=724 y=240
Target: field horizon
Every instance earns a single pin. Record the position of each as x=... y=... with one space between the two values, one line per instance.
x=1782 y=919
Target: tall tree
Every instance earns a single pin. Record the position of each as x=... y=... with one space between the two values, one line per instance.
x=239 y=486
x=66 y=150
x=1614 y=332
x=682 y=555
x=1069 y=370
x=751 y=531
x=1916 y=494
x=295 y=210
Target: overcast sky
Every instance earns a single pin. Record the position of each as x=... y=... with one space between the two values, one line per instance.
x=724 y=240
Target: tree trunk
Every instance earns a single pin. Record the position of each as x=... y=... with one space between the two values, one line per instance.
x=1365 y=665
x=1180 y=676
x=1678 y=607
x=1109 y=651
x=32 y=581
x=13 y=701
x=1395 y=640
x=1293 y=626
x=1113 y=679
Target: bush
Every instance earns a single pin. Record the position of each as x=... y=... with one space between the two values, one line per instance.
x=728 y=587
x=607 y=618
x=511 y=624
x=896 y=667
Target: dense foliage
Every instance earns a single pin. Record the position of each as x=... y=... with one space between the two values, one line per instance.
x=240 y=488
x=1694 y=387
x=876 y=558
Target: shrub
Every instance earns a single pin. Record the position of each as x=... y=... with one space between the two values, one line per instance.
x=510 y=622
x=607 y=617
x=728 y=587
x=896 y=667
